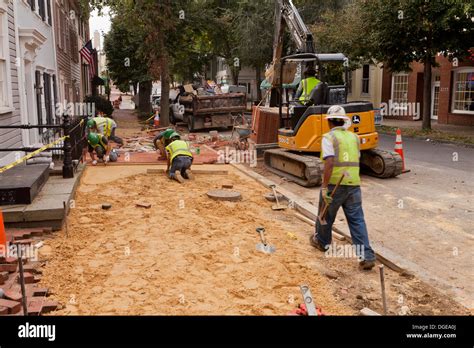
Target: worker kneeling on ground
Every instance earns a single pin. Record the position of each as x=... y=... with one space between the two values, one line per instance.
x=105 y=126
x=162 y=140
x=340 y=153
x=307 y=85
x=180 y=159
x=100 y=145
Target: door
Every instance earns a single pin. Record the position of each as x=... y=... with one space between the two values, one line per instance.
x=435 y=100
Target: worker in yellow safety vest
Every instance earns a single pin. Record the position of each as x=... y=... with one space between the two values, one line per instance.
x=98 y=144
x=105 y=126
x=340 y=153
x=307 y=85
x=179 y=158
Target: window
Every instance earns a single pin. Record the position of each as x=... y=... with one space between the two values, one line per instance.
x=400 y=89
x=42 y=9
x=4 y=55
x=365 y=79
x=47 y=98
x=463 y=91
x=48 y=11
x=39 y=107
x=59 y=25
x=73 y=45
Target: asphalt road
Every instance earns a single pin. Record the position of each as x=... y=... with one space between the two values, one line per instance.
x=424 y=218
x=439 y=154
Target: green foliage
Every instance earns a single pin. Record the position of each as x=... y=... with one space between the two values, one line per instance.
x=101 y=104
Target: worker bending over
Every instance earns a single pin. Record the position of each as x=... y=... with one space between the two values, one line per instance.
x=105 y=126
x=307 y=85
x=179 y=158
x=162 y=140
x=99 y=144
x=340 y=153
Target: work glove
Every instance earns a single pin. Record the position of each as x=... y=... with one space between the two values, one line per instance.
x=106 y=159
x=326 y=196
x=94 y=162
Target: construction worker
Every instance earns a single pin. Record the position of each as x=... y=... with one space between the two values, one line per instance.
x=340 y=153
x=99 y=144
x=307 y=85
x=179 y=158
x=162 y=140
x=105 y=126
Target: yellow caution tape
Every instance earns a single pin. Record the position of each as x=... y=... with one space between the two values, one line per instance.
x=32 y=154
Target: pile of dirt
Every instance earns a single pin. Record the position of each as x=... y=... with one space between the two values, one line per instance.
x=191 y=255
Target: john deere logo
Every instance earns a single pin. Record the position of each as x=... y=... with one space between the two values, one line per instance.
x=356 y=119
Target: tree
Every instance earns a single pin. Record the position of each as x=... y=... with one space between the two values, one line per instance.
x=401 y=32
x=122 y=45
x=253 y=25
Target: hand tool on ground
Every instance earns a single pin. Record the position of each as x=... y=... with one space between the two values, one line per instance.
x=277 y=206
x=322 y=215
x=382 y=283
x=263 y=246
x=308 y=300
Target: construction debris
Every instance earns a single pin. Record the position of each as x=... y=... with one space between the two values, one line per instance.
x=224 y=195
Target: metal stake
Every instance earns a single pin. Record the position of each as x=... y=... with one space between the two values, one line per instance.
x=382 y=283
x=22 y=280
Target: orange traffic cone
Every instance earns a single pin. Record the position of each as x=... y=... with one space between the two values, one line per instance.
x=399 y=148
x=3 y=237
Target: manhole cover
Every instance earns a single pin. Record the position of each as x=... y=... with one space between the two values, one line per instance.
x=224 y=195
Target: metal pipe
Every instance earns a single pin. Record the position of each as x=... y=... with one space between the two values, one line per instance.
x=382 y=283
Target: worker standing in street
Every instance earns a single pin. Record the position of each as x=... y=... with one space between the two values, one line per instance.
x=179 y=158
x=307 y=85
x=99 y=144
x=340 y=153
x=105 y=126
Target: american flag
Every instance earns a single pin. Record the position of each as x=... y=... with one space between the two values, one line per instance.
x=87 y=53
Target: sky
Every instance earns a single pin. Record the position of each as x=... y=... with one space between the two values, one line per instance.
x=102 y=23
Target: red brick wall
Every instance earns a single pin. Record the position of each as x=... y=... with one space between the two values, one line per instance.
x=415 y=90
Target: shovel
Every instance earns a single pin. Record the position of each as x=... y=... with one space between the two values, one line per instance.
x=263 y=246
x=322 y=216
x=277 y=206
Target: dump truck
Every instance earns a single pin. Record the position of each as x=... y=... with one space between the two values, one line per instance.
x=208 y=111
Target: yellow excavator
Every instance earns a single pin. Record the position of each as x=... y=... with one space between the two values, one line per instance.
x=302 y=126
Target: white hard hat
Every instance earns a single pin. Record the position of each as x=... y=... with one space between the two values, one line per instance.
x=336 y=112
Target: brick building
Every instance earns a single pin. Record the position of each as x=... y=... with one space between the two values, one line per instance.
x=452 y=92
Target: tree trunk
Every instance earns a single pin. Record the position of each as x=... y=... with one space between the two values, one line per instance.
x=165 y=92
x=258 y=78
x=144 y=94
x=426 y=123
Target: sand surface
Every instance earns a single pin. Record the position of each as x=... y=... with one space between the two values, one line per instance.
x=185 y=255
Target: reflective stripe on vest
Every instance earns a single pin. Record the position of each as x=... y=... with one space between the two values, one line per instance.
x=346 y=157
x=308 y=85
x=178 y=147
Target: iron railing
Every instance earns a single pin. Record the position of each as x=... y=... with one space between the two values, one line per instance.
x=71 y=148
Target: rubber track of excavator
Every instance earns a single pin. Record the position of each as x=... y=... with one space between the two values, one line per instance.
x=392 y=163
x=313 y=173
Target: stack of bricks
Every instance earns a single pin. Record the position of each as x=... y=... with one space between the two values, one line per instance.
x=37 y=300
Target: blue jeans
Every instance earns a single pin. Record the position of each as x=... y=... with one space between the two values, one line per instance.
x=180 y=163
x=350 y=198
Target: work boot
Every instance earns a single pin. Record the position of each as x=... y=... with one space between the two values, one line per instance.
x=177 y=176
x=315 y=243
x=189 y=174
x=367 y=265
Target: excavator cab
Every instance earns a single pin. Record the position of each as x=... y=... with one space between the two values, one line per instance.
x=304 y=124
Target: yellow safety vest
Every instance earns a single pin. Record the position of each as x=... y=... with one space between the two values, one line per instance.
x=346 y=157
x=107 y=124
x=308 y=85
x=178 y=147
